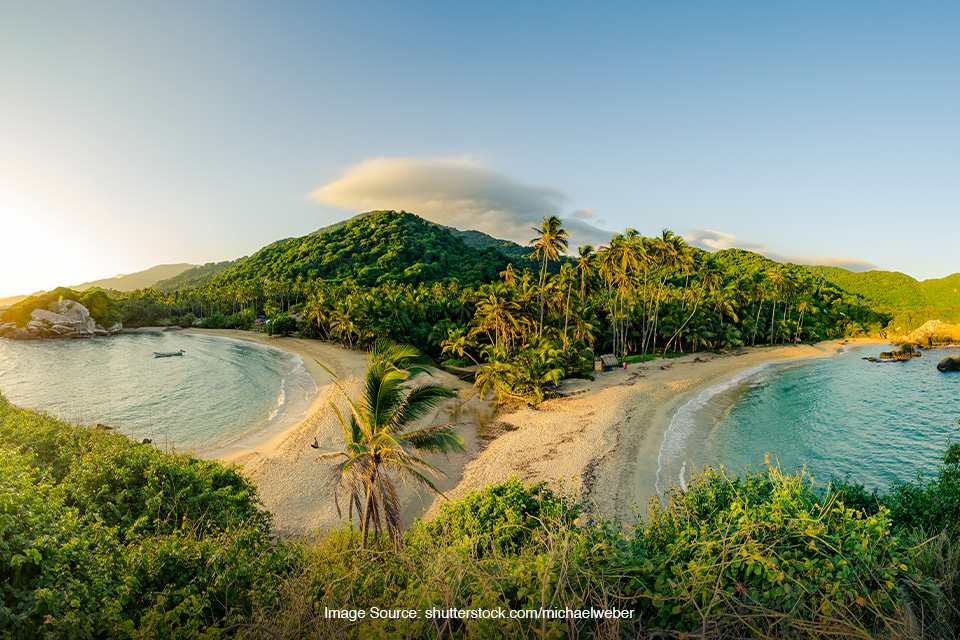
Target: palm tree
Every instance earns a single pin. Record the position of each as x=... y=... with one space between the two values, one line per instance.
x=377 y=444
x=586 y=265
x=499 y=313
x=550 y=243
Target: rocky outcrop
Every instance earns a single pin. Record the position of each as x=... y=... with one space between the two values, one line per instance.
x=951 y=363
x=70 y=320
x=931 y=333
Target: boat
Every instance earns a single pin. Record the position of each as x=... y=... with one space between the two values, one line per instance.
x=168 y=354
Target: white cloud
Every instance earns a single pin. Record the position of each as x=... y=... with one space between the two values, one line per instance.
x=459 y=193
x=716 y=240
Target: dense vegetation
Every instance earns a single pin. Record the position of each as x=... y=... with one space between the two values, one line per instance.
x=379 y=248
x=102 y=537
x=531 y=322
x=196 y=276
x=908 y=302
x=103 y=308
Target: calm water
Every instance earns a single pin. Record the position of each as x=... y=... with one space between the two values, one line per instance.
x=221 y=392
x=837 y=416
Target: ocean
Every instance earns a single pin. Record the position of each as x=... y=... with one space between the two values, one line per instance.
x=834 y=416
x=222 y=392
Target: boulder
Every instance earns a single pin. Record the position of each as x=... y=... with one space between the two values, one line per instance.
x=71 y=319
x=950 y=363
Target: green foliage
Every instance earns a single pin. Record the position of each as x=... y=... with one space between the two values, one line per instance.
x=929 y=505
x=377 y=248
x=103 y=309
x=909 y=303
x=503 y=516
x=196 y=276
x=530 y=372
x=766 y=555
x=281 y=325
x=103 y=537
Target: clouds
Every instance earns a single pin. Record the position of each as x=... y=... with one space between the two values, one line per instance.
x=716 y=240
x=460 y=193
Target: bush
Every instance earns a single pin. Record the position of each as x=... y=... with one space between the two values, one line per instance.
x=768 y=555
x=281 y=325
x=504 y=516
x=104 y=537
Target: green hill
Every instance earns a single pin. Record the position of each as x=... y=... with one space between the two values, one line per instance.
x=138 y=280
x=374 y=248
x=471 y=237
x=197 y=276
x=908 y=301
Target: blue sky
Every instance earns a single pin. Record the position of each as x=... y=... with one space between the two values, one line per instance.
x=133 y=134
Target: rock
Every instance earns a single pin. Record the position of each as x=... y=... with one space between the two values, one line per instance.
x=146 y=441
x=950 y=363
x=102 y=427
x=70 y=320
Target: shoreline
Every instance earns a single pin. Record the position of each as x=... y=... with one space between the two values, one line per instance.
x=603 y=440
x=610 y=430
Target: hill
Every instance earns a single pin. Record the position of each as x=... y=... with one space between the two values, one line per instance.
x=121 y=282
x=910 y=302
x=197 y=276
x=374 y=248
x=139 y=280
x=5 y=302
x=471 y=237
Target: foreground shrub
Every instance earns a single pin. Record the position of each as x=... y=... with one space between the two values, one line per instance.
x=103 y=537
x=769 y=556
x=504 y=516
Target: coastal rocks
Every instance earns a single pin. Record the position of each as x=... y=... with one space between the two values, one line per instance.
x=903 y=354
x=70 y=320
x=931 y=333
x=951 y=363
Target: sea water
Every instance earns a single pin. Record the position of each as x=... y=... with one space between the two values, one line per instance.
x=834 y=416
x=221 y=392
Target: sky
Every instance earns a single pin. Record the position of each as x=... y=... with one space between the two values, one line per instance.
x=135 y=134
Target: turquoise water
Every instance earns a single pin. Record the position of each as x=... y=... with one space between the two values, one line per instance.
x=221 y=392
x=836 y=416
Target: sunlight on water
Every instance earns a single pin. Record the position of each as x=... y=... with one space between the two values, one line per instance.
x=220 y=392
x=836 y=416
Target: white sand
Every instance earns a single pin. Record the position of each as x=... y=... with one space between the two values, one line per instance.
x=605 y=438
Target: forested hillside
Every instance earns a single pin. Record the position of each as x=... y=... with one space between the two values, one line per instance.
x=373 y=249
x=196 y=276
x=534 y=320
x=908 y=302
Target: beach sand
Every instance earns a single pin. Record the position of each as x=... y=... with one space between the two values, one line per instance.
x=602 y=440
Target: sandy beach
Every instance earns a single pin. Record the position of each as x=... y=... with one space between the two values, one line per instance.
x=602 y=440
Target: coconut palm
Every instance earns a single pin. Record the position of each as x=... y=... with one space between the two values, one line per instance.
x=377 y=443
x=550 y=242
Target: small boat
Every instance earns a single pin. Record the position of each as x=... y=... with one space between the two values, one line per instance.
x=168 y=354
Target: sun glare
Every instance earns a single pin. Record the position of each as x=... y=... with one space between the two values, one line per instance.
x=35 y=257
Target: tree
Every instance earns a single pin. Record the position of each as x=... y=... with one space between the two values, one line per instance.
x=377 y=443
x=550 y=243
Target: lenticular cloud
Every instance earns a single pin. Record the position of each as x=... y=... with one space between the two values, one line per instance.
x=455 y=192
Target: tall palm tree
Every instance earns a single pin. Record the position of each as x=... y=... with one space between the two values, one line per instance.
x=586 y=262
x=377 y=444
x=550 y=242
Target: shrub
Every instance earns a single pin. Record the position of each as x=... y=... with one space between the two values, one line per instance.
x=767 y=555
x=281 y=325
x=104 y=537
x=504 y=516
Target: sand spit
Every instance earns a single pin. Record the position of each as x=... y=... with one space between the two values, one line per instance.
x=603 y=439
